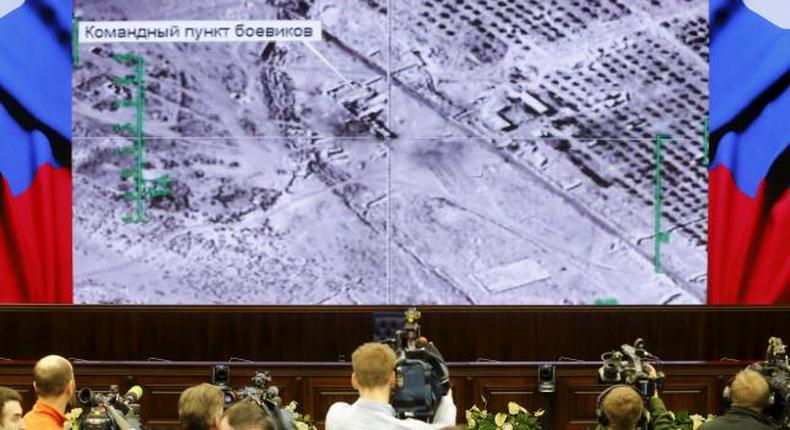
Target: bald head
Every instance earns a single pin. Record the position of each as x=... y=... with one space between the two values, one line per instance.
x=750 y=390
x=623 y=407
x=52 y=376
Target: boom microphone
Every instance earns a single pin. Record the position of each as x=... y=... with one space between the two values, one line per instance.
x=133 y=395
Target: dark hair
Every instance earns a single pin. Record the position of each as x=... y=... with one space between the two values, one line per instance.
x=246 y=415
x=8 y=395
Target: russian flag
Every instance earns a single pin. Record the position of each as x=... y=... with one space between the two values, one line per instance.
x=35 y=151
x=749 y=206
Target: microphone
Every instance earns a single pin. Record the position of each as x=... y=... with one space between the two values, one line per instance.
x=273 y=393
x=133 y=395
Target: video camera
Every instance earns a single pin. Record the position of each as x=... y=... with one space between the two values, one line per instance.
x=776 y=371
x=421 y=374
x=109 y=410
x=266 y=396
x=626 y=365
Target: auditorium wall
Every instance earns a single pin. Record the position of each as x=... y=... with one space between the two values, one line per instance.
x=286 y=334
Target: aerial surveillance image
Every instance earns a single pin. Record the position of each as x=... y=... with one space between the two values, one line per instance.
x=452 y=152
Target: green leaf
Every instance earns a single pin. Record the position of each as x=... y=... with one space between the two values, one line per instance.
x=487 y=425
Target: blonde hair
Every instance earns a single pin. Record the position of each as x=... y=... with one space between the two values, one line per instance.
x=199 y=405
x=246 y=415
x=373 y=363
x=749 y=389
x=623 y=407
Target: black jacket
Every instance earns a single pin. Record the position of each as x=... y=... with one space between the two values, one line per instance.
x=738 y=418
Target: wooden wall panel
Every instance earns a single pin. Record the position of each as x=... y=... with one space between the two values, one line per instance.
x=159 y=413
x=322 y=392
x=580 y=401
x=692 y=395
x=463 y=334
x=498 y=391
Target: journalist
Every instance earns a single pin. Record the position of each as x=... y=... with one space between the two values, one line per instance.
x=244 y=415
x=200 y=408
x=621 y=407
x=749 y=393
x=10 y=410
x=374 y=377
x=54 y=385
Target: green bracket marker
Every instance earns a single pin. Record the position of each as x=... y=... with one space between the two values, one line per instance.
x=705 y=143
x=143 y=188
x=606 y=301
x=660 y=236
x=75 y=42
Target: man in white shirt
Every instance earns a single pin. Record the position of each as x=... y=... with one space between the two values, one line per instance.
x=373 y=377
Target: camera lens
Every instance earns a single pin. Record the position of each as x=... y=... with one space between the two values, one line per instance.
x=85 y=396
x=644 y=388
x=610 y=371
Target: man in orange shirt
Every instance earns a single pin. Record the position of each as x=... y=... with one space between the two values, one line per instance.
x=53 y=382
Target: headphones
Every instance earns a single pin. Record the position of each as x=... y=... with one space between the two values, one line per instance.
x=603 y=420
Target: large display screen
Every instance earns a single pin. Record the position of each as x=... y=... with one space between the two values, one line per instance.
x=390 y=152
